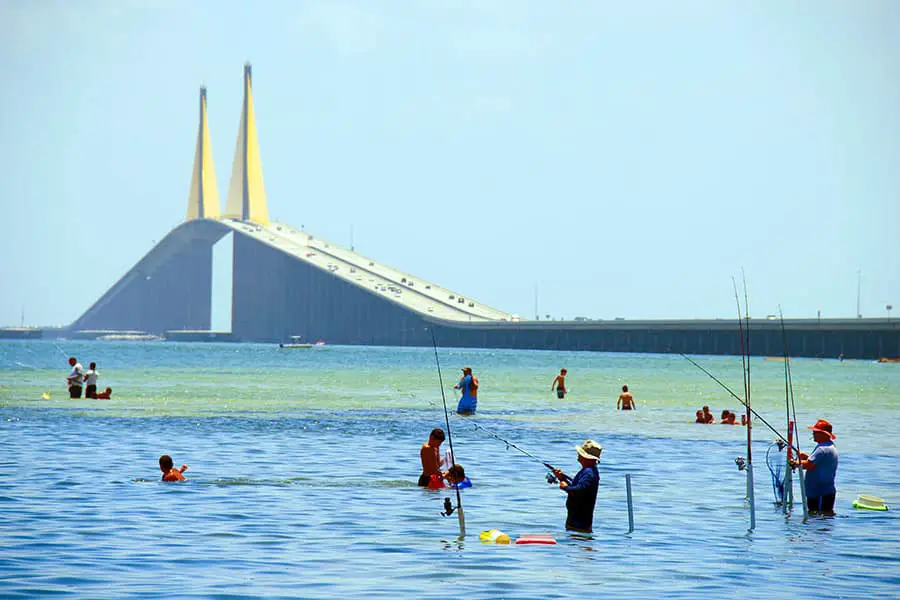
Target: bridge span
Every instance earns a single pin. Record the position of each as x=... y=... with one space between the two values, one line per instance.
x=287 y=282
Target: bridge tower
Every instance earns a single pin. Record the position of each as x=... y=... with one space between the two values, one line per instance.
x=247 y=194
x=203 y=200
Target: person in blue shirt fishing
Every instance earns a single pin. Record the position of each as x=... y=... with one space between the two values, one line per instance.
x=582 y=489
x=821 y=468
x=468 y=384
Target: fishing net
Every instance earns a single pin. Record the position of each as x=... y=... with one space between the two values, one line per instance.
x=776 y=460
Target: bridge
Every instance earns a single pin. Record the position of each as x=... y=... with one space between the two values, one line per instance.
x=287 y=282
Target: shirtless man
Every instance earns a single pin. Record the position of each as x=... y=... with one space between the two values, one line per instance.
x=708 y=415
x=431 y=457
x=560 y=384
x=626 y=400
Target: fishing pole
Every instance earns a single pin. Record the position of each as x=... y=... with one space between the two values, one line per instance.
x=745 y=361
x=739 y=399
x=789 y=397
x=523 y=451
x=448 y=508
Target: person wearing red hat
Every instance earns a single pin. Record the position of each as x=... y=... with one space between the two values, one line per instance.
x=821 y=467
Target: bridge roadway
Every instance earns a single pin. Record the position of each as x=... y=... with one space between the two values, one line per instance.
x=402 y=288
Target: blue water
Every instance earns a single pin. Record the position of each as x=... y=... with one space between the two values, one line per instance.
x=303 y=466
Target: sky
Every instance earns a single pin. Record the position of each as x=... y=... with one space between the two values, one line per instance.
x=596 y=159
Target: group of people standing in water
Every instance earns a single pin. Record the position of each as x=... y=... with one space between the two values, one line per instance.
x=78 y=378
x=704 y=416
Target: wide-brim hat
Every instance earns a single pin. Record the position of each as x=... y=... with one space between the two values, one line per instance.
x=590 y=450
x=822 y=426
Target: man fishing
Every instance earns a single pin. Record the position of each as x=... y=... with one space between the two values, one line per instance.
x=582 y=489
x=468 y=385
x=821 y=466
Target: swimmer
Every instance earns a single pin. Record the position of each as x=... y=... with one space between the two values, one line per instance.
x=700 y=417
x=708 y=415
x=560 y=384
x=104 y=395
x=626 y=400
x=170 y=473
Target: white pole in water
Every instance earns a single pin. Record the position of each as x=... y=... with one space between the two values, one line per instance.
x=750 y=496
x=630 y=504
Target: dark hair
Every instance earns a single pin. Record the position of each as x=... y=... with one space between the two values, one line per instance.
x=93 y=365
x=165 y=462
x=624 y=388
x=438 y=434
x=563 y=371
x=457 y=472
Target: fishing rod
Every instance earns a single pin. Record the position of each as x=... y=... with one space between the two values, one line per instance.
x=745 y=362
x=448 y=507
x=739 y=399
x=550 y=476
x=789 y=398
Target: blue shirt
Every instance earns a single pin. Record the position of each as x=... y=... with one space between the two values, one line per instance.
x=820 y=480
x=582 y=497
x=468 y=402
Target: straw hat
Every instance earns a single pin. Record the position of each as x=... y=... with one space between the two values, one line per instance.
x=590 y=450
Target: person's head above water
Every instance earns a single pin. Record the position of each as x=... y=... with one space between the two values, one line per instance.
x=467 y=370
x=456 y=473
x=93 y=365
x=624 y=388
x=437 y=435
x=165 y=463
x=563 y=371
x=72 y=361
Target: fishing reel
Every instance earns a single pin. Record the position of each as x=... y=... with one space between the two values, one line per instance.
x=551 y=478
x=741 y=463
x=448 y=508
x=781 y=445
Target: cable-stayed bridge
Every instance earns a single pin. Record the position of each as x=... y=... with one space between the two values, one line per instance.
x=287 y=282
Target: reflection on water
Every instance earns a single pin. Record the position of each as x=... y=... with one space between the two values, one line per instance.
x=303 y=469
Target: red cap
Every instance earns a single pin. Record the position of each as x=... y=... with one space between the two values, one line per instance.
x=823 y=426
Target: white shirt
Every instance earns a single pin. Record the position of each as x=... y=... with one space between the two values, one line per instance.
x=91 y=377
x=76 y=377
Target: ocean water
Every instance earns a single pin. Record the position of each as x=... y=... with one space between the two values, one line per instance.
x=303 y=468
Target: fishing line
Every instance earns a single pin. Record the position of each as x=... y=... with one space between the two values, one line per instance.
x=448 y=508
x=738 y=398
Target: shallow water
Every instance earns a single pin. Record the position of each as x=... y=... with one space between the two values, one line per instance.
x=303 y=466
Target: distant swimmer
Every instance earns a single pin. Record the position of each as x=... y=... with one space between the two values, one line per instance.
x=75 y=378
x=582 y=489
x=169 y=472
x=468 y=385
x=560 y=384
x=90 y=381
x=626 y=400
x=728 y=418
x=104 y=395
x=430 y=454
x=700 y=417
x=708 y=416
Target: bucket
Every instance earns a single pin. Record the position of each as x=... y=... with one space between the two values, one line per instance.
x=869 y=503
x=494 y=536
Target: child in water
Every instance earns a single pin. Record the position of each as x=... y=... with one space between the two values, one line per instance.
x=456 y=477
x=170 y=473
x=104 y=395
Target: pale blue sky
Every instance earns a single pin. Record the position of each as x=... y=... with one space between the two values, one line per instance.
x=627 y=158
